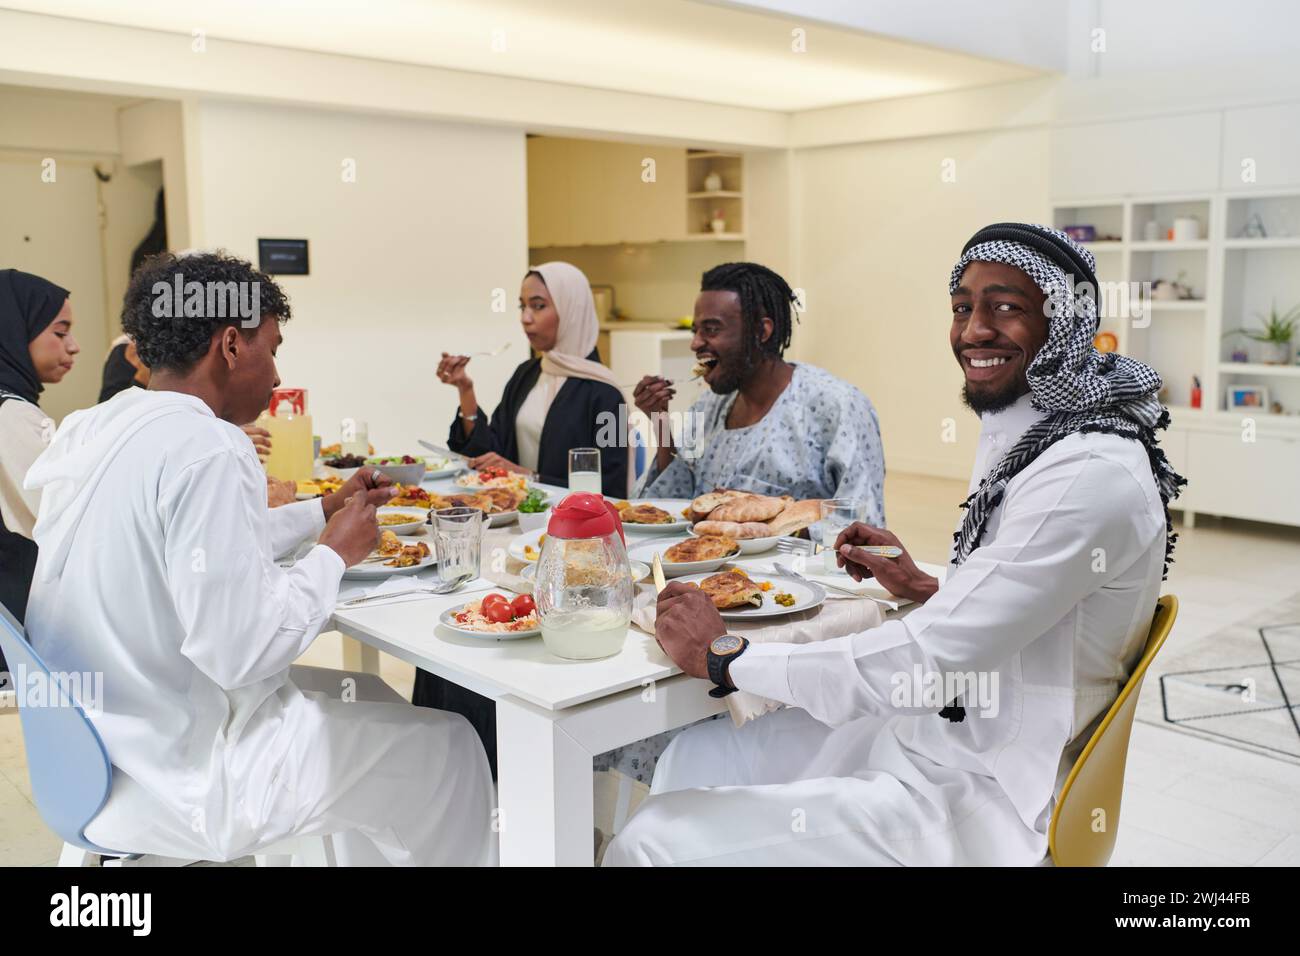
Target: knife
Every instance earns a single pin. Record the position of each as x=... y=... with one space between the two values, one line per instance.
x=658 y=568
x=446 y=452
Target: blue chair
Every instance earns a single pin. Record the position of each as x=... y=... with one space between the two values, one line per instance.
x=71 y=774
x=69 y=768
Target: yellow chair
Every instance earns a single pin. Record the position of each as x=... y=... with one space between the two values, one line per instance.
x=1096 y=780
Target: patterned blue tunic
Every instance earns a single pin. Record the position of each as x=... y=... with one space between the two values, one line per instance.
x=820 y=440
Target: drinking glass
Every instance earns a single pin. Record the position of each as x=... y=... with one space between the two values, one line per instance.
x=458 y=539
x=836 y=515
x=584 y=470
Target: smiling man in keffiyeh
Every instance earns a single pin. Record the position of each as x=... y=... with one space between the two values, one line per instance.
x=1055 y=573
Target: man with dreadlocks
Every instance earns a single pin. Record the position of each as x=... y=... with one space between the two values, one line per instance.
x=881 y=756
x=767 y=425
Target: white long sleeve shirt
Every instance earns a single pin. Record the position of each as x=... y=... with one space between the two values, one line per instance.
x=1050 y=612
x=193 y=624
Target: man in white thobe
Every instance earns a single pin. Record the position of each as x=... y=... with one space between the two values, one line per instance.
x=157 y=569
x=1046 y=608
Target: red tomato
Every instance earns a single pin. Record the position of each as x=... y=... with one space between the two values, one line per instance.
x=523 y=605
x=498 y=612
x=495 y=598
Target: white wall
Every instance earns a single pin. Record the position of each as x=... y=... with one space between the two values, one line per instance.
x=153 y=132
x=404 y=261
x=77 y=230
x=877 y=233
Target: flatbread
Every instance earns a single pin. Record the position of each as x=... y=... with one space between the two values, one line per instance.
x=705 y=503
x=706 y=548
x=750 y=508
x=797 y=516
x=734 y=529
x=732 y=589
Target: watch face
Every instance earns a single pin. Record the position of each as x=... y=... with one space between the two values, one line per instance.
x=726 y=644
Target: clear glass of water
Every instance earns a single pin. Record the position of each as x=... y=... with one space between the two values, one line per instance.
x=584 y=470
x=458 y=540
x=836 y=515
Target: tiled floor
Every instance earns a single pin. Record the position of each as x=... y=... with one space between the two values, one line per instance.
x=1187 y=801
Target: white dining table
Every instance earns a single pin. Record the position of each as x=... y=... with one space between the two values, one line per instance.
x=553 y=715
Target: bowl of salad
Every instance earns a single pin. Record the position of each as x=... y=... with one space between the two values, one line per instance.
x=534 y=510
x=403 y=469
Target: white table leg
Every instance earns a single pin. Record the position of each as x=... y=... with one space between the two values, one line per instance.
x=544 y=786
x=359 y=658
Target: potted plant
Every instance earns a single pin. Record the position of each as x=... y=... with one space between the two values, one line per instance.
x=1275 y=332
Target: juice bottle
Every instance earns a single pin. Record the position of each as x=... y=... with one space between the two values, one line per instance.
x=291 y=443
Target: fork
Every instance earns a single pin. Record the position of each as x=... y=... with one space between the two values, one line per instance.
x=492 y=354
x=800 y=546
x=442 y=587
x=797 y=546
x=791 y=572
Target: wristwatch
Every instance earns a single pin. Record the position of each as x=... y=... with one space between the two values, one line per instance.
x=722 y=652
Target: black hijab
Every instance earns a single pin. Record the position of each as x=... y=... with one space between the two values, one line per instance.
x=28 y=304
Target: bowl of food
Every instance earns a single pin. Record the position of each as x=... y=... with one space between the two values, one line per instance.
x=403 y=469
x=534 y=511
x=342 y=466
x=401 y=520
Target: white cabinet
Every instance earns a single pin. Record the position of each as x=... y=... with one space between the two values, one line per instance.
x=636 y=352
x=1258 y=480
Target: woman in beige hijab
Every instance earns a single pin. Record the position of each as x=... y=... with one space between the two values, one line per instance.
x=562 y=400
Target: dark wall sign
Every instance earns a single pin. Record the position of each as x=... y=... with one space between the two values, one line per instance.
x=282 y=257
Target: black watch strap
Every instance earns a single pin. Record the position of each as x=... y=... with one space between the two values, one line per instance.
x=719 y=667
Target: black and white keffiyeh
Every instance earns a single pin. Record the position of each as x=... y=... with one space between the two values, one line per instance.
x=1081 y=389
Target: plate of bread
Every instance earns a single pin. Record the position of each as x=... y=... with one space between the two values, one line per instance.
x=740 y=596
x=653 y=515
x=694 y=555
x=754 y=522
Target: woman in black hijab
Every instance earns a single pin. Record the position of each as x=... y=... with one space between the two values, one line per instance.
x=36 y=349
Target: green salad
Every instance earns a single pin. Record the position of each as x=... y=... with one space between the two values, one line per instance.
x=535 y=502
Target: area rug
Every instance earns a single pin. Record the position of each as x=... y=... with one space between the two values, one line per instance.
x=1239 y=685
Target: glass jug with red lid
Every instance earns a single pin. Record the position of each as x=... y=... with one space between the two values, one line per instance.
x=583 y=585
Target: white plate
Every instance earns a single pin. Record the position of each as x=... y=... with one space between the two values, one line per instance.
x=444 y=472
x=378 y=570
x=751 y=545
x=448 y=620
x=418 y=519
x=646 y=552
x=806 y=594
x=516 y=547
x=673 y=506
x=640 y=572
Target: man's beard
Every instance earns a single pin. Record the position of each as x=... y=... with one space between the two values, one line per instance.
x=986 y=402
x=734 y=372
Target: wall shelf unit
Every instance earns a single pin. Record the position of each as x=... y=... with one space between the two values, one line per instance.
x=727 y=197
x=1240 y=462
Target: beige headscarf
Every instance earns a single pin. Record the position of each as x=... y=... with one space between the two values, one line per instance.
x=576 y=336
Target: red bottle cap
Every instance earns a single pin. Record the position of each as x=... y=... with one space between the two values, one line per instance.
x=584 y=515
